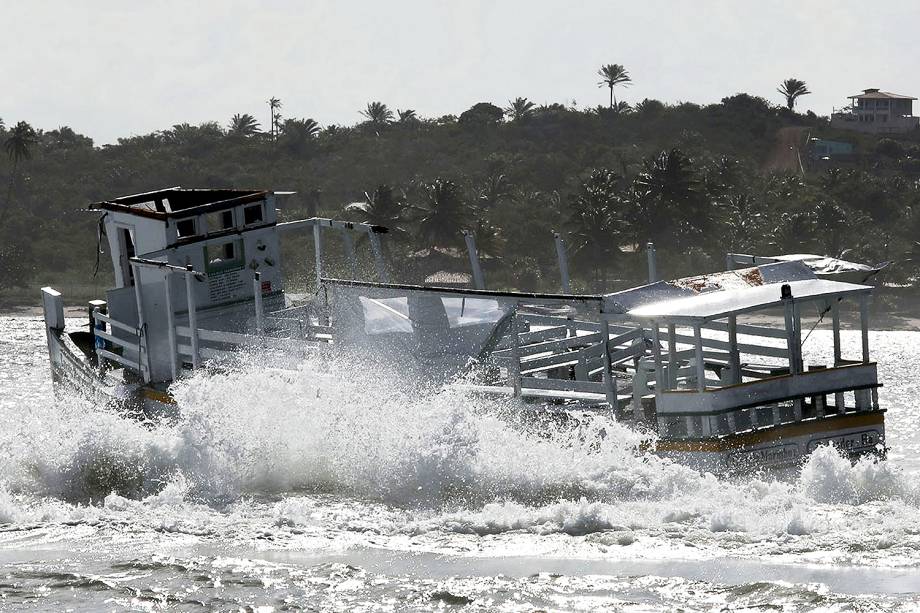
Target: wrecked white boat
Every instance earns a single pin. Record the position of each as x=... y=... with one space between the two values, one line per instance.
x=198 y=277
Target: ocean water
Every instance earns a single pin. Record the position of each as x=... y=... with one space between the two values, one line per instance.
x=337 y=487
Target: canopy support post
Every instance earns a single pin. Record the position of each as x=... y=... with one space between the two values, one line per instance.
x=514 y=367
x=652 y=263
x=864 y=326
x=143 y=361
x=257 y=299
x=659 y=368
x=192 y=317
x=563 y=263
x=734 y=356
x=171 y=328
x=610 y=383
x=478 y=280
x=698 y=354
x=672 y=357
x=835 y=310
x=318 y=252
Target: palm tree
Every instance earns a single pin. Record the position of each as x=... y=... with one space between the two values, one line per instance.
x=444 y=215
x=381 y=208
x=273 y=105
x=18 y=146
x=243 y=126
x=520 y=109
x=611 y=75
x=378 y=113
x=669 y=204
x=407 y=116
x=593 y=222
x=792 y=89
x=306 y=128
x=621 y=108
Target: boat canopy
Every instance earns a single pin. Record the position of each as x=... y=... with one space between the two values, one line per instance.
x=779 y=272
x=716 y=305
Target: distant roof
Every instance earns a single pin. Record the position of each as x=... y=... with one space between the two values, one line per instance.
x=877 y=94
x=180 y=202
x=719 y=304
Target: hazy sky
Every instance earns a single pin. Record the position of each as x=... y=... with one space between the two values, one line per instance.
x=111 y=69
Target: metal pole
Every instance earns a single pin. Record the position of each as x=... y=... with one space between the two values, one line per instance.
x=864 y=326
x=797 y=403
x=142 y=360
x=563 y=263
x=192 y=316
x=470 y=238
x=171 y=328
x=382 y=276
x=835 y=310
x=790 y=328
x=257 y=295
x=652 y=265
x=318 y=252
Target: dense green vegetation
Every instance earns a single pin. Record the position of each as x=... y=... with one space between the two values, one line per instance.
x=696 y=180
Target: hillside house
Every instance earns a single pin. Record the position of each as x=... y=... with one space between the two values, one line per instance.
x=877 y=112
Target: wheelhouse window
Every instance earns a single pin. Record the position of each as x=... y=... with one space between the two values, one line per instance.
x=252 y=214
x=186 y=227
x=219 y=221
x=223 y=256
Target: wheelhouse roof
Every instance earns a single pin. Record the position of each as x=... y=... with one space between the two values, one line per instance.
x=716 y=305
x=178 y=202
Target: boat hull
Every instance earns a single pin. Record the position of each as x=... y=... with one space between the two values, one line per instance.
x=855 y=434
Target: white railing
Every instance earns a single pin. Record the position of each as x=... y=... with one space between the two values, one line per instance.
x=132 y=343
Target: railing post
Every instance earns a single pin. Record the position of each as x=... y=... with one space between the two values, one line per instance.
x=97 y=306
x=192 y=316
x=698 y=354
x=652 y=264
x=143 y=360
x=53 y=307
x=257 y=296
x=514 y=366
x=171 y=328
x=563 y=263
x=610 y=383
x=478 y=280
